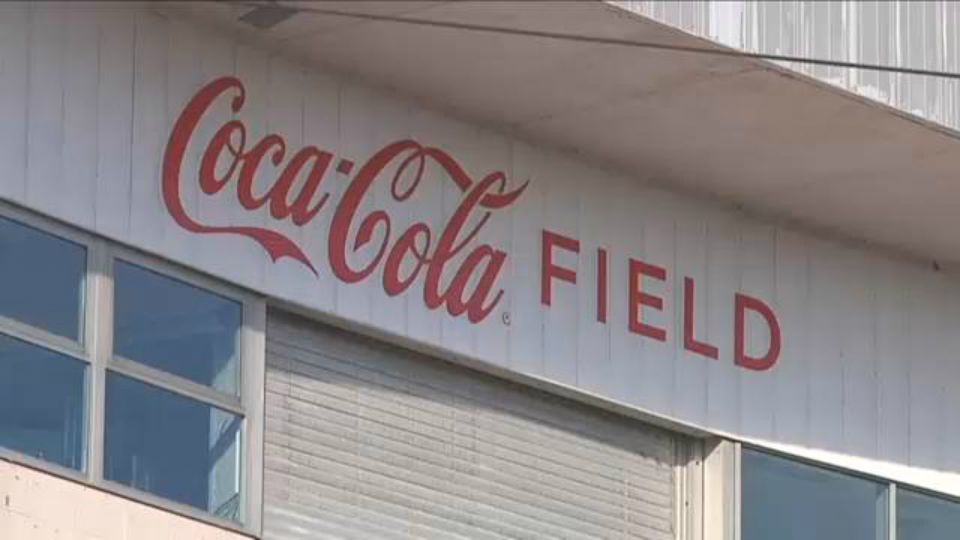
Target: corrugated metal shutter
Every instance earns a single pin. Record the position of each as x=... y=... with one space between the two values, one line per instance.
x=367 y=440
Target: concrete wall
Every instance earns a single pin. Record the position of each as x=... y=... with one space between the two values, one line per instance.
x=40 y=506
x=923 y=35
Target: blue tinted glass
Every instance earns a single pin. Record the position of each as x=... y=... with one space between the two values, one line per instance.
x=922 y=517
x=172 y=446
x=175 y=327
x=785 y=500
x=41 y=279
x=41 y=403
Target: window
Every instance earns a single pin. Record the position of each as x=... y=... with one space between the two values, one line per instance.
x=41 y=403
x=925 y=517
x=175 y=441
x=43 y=364
x=172 y=446
x=177 y=328
x=130 y=373
x=787 y=500
x=43 y=279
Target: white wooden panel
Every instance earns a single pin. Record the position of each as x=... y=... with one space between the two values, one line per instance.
x=368 y=123
x=561 y=318
x=114 y=120
x=656 y=212
x=825 y=352
x=489 y=152
x=253 y=68
x=45 y=107
x=14 y=88
x=758 y=254
x=287 y=92
x=457 y=334
x=950 y=371
x=526 y=312
x=925 y=381
x=893 y=371
x=423 y=323
x=594 y=363
x=215 y=58
x=149 y=222
x=625 y=241
x=793 y=291
x=724 y=264
x=80 y=114
x=321 y=102
x=690 y=375
x=857 y=357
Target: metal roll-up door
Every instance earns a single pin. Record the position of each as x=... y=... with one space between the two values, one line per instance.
x=368 y=440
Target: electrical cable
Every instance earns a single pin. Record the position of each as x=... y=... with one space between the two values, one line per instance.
x=605 y=41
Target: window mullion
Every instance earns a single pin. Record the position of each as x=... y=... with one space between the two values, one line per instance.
x=42 y=338
x=172 y=383
x=892 y=511
x=253 y=389
x=100 y=339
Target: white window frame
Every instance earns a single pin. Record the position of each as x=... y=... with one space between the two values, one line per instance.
x=731 y=460
x=96 y=351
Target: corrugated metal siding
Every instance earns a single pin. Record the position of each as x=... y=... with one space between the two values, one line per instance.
x=366 y=440
x=921 y=35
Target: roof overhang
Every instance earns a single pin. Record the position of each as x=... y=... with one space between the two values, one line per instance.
x=744 y=131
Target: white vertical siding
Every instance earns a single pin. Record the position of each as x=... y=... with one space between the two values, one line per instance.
x=869 y=343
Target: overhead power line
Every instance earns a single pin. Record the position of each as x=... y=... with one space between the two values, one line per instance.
x=603 y=40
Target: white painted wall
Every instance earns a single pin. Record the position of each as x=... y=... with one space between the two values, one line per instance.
x=869 y=367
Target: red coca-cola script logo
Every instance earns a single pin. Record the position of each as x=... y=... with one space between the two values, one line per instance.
x=228 y=159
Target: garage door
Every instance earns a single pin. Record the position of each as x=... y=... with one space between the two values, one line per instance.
x=368 y=440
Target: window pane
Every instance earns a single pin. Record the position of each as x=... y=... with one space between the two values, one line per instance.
x=172 y=446
x=178 y=328
x=41 y=403
x=41 y=279
x=786 y=500
x=923 y=517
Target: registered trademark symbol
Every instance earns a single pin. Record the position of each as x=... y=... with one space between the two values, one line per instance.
x=506 y=318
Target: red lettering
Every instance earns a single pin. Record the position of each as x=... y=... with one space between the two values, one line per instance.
x=347 y=209
x=359 y=233
x=227 y=156
x=210 y=183
x=483 y=261
x=690 y=342
x=448 y=246
x=275 y=244
x=251 y=162
x=548 y=270
x=300 y=209
x=740 y=356
x=393 y=284
x=639 y=298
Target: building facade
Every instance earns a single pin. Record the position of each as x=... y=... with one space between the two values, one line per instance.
x=244 y=296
